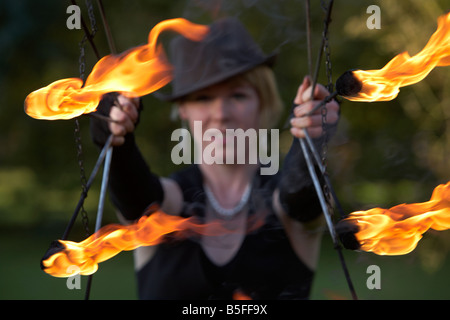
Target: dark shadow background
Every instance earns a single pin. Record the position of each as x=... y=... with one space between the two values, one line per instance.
x=384 y=153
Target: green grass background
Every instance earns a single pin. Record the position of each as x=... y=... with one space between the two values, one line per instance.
x=402 y=277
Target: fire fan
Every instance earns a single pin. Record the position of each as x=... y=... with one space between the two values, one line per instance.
x=145 y=69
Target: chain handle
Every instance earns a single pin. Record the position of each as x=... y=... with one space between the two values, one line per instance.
x=77 y=131
x=78 y=144
x=80 y=159
x=324 y=111
x=328 y=68
x=91 y=18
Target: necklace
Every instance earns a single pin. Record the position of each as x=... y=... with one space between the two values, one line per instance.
x=228 y=213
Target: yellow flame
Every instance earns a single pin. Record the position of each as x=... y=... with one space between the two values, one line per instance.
x=136 y=72
x=403 y=70
x=397 y=230
x=114 y=238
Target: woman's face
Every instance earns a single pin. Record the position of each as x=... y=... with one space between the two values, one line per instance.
x=223 y=106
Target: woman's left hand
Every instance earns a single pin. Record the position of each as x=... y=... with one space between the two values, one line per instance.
x=312 y=123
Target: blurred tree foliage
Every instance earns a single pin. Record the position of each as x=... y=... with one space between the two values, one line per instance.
x=385 y=153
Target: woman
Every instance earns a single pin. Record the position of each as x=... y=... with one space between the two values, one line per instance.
x=271 y=251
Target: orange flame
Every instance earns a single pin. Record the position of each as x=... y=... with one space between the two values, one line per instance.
x=397 y=230
x=136 y=72
x=240 y=295
x=403 y=70
x=114 y=238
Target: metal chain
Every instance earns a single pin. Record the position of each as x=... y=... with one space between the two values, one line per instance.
x=91 y=18
x=80 y=159
x=79 y=146
x=326 y=187
x=324 y=111
x=328 y=68
x=77 y=133
x=327 y=51
x=82 y=58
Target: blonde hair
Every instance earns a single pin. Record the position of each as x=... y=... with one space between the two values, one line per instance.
x=263 y=80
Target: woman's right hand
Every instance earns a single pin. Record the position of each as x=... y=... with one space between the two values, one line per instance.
x=124 y=118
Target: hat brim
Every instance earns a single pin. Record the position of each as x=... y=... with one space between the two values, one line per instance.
x=268 y=60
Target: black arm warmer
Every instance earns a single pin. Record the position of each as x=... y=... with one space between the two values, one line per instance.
x=132 y=185
x=297 y=194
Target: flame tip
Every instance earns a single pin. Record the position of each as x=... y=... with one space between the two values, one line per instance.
x=112 y=239
x=384 y=84
x=398 y=230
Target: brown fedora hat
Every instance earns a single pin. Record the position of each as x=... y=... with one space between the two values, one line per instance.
x=226 y=51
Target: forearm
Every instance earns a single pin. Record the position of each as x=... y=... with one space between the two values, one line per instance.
x=132 y=185
x=297 y=194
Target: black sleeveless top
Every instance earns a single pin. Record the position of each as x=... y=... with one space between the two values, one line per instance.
x=265 y=266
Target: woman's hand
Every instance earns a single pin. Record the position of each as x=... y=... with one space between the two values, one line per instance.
x=312 y=123
x=125 y=117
